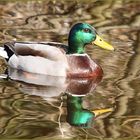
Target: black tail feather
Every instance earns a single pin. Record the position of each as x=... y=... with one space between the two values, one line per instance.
x=8 y=50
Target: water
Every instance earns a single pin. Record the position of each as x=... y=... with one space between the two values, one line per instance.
x=27 y=111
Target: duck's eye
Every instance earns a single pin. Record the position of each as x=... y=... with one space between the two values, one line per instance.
x=86 y=30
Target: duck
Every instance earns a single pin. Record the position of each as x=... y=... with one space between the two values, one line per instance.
x=57 y=59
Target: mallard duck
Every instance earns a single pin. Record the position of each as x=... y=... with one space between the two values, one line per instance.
x=46 y=58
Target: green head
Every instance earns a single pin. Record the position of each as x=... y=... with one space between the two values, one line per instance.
x=82 y=34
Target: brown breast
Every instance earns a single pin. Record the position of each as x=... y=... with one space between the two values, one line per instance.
x=83 y=66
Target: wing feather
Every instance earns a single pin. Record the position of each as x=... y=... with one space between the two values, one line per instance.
x=46 y=50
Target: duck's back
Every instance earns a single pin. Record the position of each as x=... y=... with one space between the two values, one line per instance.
x=37 y=58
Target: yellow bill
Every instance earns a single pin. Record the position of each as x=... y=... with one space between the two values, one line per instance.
x=102 y=111
x=101 y=43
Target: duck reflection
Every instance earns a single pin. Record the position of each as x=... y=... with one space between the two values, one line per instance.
x=50 y=86
x=77 y=115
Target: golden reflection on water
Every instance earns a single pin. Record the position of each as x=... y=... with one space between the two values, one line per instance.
x=26 y=116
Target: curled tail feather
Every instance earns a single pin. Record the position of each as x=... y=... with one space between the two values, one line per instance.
x=6 y=51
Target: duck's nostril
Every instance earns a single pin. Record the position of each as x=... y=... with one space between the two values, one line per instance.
x=100 y=39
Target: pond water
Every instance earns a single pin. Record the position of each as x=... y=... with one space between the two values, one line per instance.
x=31 y=109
